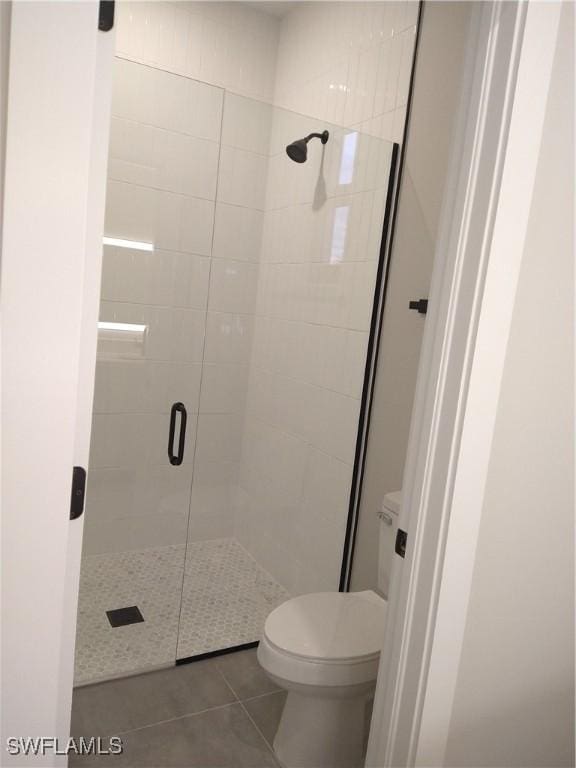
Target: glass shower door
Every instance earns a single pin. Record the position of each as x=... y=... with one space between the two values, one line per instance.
x=294 y=273
x=238 y=289
x=162 y=178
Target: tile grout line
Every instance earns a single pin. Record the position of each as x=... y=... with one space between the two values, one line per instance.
x=179 y=717
x=261 y=695
x=237 y=697
x=204 y=711
x=249 y=716
x=228 y=685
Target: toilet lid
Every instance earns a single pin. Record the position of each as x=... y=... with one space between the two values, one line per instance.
x=329 y=625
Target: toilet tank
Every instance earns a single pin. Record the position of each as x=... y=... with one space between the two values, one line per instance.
x=388 y=514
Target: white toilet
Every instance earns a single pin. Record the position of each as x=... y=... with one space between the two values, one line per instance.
x=324 y=649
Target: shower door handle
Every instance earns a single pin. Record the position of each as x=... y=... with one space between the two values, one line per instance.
x=176 y=459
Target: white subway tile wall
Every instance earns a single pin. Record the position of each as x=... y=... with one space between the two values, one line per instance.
x=162 y=179
x=257 y=293
x=321 y=233
x=348 y=63
x=229 y=44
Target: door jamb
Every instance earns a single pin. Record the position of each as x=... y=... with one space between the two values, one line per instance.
x=56 y=145
x=471 y=301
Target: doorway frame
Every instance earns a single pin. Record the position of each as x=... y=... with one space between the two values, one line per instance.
x=59 y=88
x=476 y=270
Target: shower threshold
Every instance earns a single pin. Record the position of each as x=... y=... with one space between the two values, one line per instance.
x=218 y=600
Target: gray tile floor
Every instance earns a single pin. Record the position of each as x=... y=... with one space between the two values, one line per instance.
x=217 y=713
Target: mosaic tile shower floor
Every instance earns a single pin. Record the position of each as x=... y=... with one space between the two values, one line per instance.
x=226 y=597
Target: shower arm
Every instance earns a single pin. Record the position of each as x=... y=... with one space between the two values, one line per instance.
x=322 y=136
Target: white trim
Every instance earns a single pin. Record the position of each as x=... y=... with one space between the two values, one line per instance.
x=105 y=44
x=441 y=404
x=55 y=163
x=504 y=250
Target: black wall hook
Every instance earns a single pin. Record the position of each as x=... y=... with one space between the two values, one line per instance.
x=420 y=305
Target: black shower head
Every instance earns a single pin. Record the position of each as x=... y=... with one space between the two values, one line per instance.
x=298 y=150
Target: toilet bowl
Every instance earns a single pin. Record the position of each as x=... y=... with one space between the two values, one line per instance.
x=324 y=649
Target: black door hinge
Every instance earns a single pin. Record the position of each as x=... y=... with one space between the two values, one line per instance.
x=401 y=537
x=106 y=15
x=420 y=305
x=78 y=492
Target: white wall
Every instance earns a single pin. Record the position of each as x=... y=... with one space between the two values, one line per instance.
x=348 y=63
x=344 y=62
x=5 y=9
x=5 y=12
x=53 y=49
x=320 y=248
x=229 y=44
x=514 y=702
x=438 y=75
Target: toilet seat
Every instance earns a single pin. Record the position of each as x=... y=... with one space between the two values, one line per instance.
x=325 y=638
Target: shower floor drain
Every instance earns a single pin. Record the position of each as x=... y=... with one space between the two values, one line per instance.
x=120 y=617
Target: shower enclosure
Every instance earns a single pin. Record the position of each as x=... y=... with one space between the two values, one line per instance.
x=232 y=383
